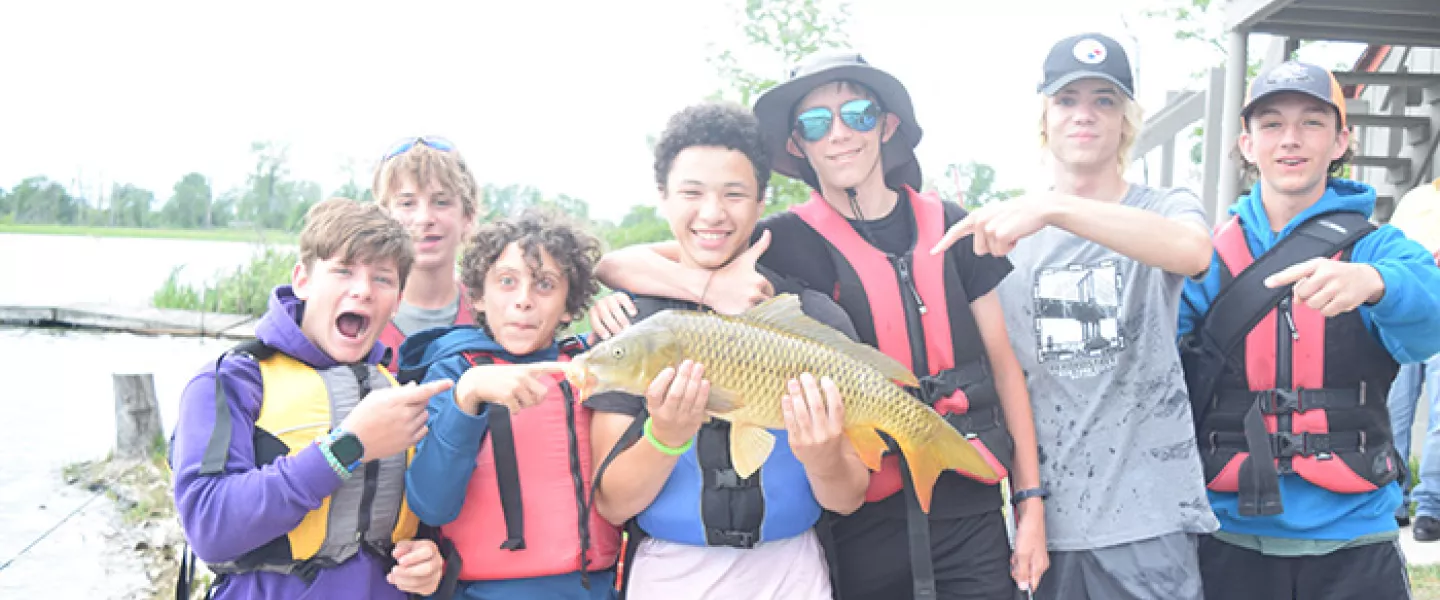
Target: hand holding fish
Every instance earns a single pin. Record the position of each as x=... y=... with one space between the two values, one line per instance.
x=816 y=423
x=516 y=387
x=676 y=401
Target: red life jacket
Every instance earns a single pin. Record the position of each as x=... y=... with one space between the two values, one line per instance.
x=914 y=308
x=1319 y=384
x=534 y=463
x=392 y=337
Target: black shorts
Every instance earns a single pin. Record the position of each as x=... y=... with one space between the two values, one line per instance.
x=971 y=556
x=1370 y=572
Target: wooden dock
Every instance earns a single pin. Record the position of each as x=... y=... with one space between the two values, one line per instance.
x=131 y=319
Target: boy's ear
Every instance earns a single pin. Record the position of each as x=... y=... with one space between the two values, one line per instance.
x=300 y=281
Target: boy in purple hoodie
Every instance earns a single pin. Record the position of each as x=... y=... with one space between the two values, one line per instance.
x=289 y=469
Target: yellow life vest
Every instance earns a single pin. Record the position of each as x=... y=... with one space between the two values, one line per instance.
x=299 y=405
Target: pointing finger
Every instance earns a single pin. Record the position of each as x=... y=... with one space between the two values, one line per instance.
x=965 y=227
x=1293 y=273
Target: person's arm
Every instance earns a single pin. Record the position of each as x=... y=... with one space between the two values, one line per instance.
x=436 y=482
x=675 y=401
x=1405 y=313
x=654 y=270
x=270 y=501
x=1178 y=243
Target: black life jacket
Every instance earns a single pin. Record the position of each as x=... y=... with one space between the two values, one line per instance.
x=1278 y=387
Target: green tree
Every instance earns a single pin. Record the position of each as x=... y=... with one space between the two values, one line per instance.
x=131 y=206
x=781 y=32
x=39 y=200
x=642 y=225
x=190 y=204
x=972 y=184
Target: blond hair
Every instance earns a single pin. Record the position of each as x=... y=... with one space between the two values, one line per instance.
x=1131 y=121
x=424 y=164
x=355 y=232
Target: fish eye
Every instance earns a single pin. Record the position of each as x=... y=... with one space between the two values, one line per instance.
x=617 y=353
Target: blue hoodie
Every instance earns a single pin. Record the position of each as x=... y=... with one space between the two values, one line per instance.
x=439 y=475
x=1406 y=322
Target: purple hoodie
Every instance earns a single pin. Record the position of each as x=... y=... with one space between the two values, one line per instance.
x=228 y=515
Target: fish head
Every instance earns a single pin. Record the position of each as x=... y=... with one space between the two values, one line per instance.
x=626 y=362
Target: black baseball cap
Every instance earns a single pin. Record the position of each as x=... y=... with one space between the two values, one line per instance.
x=1295 y=76
x=1087 y=55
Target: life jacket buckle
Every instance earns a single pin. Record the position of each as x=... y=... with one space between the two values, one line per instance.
x=1289 y=444
x=1284 y=401
x=734 y=538
x=728 y=479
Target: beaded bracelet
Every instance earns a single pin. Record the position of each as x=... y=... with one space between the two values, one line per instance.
x=650 y=436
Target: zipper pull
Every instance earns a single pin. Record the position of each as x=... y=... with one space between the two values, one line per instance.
x=1290 y=320
x=904 y=267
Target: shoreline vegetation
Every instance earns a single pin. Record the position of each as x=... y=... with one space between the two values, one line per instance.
x=271 y=236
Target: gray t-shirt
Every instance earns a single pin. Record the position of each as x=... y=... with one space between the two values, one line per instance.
x=411 y=320
x=1095 y=333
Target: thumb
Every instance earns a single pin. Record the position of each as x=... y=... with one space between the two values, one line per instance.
x=752 y=254
x=965 y=227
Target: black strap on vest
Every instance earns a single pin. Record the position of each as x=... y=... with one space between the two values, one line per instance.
x=1235 y=311
x=218 y=449
x=507 y=469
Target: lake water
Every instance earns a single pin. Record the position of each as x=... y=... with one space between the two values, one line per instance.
x=60 y=269
x=59 y=404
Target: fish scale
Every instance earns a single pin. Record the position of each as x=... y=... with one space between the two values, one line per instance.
x=749 y=360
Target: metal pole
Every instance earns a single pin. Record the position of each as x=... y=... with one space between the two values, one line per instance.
x=1236 y=65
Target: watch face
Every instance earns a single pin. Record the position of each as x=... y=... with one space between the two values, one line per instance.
x=347 y=449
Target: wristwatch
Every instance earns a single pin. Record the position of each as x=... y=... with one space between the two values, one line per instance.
x=1026 y=494
x=346 y=448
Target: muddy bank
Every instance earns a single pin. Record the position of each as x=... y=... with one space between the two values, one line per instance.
x=144 y=526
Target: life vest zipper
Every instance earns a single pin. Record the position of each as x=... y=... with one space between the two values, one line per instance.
x=914 y=311
x=1286 y=335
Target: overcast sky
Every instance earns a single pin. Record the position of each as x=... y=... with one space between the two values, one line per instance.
x=557 y=94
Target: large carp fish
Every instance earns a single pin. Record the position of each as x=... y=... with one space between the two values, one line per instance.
x=750 y=358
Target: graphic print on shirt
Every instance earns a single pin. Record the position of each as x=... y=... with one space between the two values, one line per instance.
x=1077 y=318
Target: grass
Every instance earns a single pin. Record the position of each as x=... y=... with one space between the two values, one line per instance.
x=243 y=291
x=1425 y=582
x=217 y=235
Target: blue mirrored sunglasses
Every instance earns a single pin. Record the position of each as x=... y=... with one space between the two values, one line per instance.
x=860 y=115
x=404 y=146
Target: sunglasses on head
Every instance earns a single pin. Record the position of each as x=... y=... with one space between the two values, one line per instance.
x=405 y=145
x=860 y=115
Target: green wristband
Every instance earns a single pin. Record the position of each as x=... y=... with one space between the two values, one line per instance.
x=341 y=470
x=668 y=451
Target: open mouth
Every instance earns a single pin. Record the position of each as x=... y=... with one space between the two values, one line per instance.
x=352 y=325
x=711 y=237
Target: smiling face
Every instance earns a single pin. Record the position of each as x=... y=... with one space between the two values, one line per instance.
x=1084 y=123
x=842 y=157
x=1292 y=139
x=435 y=218
x=711 y=200
x=523 y=307
x=347 y=304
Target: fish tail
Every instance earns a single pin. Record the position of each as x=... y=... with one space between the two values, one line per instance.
x=945 y=449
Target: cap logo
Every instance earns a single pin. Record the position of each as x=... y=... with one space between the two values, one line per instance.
x=1289 y=73
x=1089 y=51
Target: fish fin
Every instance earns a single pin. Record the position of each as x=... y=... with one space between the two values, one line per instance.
x=722 y=401
x=868 y=445
x=749 y=447
x=946 y=449
x=783 y=312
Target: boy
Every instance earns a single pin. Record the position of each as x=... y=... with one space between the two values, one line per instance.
x=425 y=184
x=849 y=131
x=505 y=471
x=696 y=529
x=289 y=469
x=1291 y=343
x=1099 y=267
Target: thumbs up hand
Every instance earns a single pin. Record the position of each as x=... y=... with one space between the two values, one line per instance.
x=738 y=286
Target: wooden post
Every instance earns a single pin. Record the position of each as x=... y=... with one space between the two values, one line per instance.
x=137 y=416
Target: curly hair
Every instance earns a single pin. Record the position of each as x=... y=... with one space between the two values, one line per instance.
x=722 y=124
x=574 y=251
